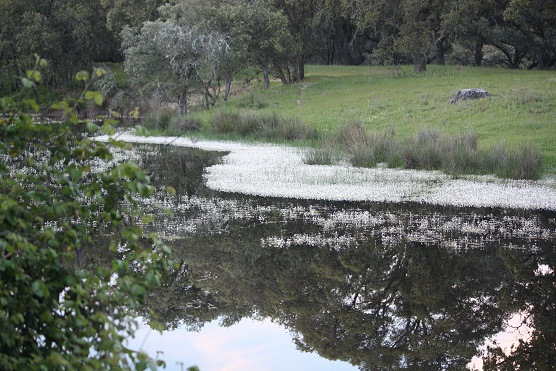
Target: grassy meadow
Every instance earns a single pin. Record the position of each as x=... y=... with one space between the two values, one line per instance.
x=522 y=110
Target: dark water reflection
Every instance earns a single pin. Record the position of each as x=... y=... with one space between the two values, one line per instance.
x=381 y=286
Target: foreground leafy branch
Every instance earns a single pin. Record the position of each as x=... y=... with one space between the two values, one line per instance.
x=60 y=200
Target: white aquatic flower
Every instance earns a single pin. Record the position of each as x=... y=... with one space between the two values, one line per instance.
x=279 y=171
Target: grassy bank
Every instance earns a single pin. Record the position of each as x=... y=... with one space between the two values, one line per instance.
x=521 y=111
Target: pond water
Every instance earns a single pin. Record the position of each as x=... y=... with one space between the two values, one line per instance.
x=273 y=283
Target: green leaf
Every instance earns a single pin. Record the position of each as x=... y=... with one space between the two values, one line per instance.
x=75 y=173
x=98 y=98
x=138 y=290
x=81 y=322
x=39 y=289
x=36 y=76
x=100 y=72
x=82 y=76
x=115 y=114
x=55 y=358
x=73 y=117
x=135 y=113
x=34 y=106
x=108 y=129
x=27 y=83
x=140 y=130
x=92 y=127
x=46 y=317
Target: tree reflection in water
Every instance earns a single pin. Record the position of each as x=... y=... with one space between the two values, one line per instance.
x=381 y=286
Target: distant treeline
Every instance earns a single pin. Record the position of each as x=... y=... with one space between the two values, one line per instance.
x=280 y=36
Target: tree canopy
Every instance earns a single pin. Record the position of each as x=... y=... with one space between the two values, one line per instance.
x=281 y=36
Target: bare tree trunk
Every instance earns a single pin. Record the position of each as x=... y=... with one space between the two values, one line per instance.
x=478 y=55
x=440 y=52
x=296 y=72
x=281 y=74
x=227 y=89
x=264 y=65
x=182 y=103
x=543 y=58
x=302 y=70
x=419 y=62
x=207 y=98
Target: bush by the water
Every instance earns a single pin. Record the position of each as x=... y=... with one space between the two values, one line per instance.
x=519 y=162
x=430 y=149
x=170 y=122
x=269 y=126
x=324 y=153
x=365 y=149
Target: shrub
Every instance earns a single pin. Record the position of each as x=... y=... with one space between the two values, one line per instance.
x=461 y=156
x=225 y=122
x=287 y=128
x=266 y=126
x=252 y=101
x=159 y=119
x=184 y=123
x=366 y=149
x=59 y=311
x=324 y=153
x=520 y=162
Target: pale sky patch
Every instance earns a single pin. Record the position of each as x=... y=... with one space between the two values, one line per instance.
x=248 y=345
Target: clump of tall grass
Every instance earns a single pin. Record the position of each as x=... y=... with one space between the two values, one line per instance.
x=170 y=122
x=423 y=151
x=180 y=124
x=159 y=119
x=265 y=126
x=285 y=128
x=324 y=152
x=520 y=162
x=365 y=149
x=225 y=122
x=251 y=101
x=461 y=155
x=432 y=150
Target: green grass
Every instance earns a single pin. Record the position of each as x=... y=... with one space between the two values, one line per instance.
x=521 y=111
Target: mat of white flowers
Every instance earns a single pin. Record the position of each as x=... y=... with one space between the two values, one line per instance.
x=279 y=171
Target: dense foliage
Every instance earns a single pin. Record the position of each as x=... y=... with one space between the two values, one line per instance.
x=281 y=36
x=61 y=199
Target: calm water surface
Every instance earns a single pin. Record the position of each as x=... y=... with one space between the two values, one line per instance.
x=300 y=284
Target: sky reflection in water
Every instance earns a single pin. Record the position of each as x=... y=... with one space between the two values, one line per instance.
x=248 y=345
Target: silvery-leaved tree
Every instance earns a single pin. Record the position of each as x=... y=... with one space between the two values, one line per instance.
x=173 y=61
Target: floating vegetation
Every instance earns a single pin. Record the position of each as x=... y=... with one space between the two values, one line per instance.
x=279 y=171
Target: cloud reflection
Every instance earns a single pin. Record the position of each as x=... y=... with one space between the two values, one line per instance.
x=248 y=345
